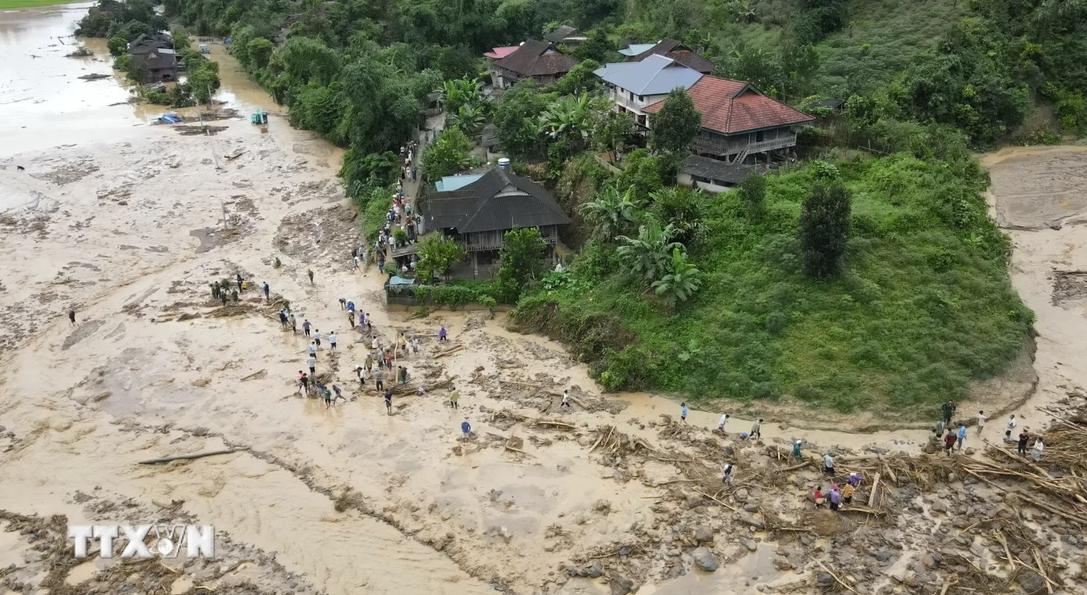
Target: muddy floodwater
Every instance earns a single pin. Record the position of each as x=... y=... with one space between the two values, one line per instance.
x=128 y=223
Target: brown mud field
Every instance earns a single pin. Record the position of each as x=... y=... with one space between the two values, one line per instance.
x=131 y=225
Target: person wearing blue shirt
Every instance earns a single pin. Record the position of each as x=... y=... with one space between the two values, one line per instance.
x=683 y=412
x=962 y=434
x=466 y=428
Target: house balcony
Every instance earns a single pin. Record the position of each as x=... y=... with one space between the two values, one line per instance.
x=723 y=146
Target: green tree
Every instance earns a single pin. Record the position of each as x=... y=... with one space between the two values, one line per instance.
x=568 y=120
x=468 y=118
x=259 y=52
x=682 y=208
x=581 y=79
x=459 y=92
x=124 y=63
x=522 y=262
x=753 y=193
x=824 y=229
x=447 y=155
x=515 y=119
x=203 y=83
x=612 y=131
x=610 y=213
x=116 y=46
x=649 y=254
x=436 y=256
x=681 y=282
x=677 y=123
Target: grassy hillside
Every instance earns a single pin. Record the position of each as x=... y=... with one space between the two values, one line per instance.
x=924 y=305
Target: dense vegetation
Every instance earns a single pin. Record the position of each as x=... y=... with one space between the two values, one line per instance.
x=868 y=279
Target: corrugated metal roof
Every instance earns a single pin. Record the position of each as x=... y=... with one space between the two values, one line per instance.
x=636 y=48
x=675 y=50
x=451 y=183
x=498 y=201
x=656 y=75
x=502 y=52
x=558 y=35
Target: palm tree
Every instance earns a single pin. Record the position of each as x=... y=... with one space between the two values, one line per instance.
x=647 y=255
x=568 y=119
x=610 y=213
x=680 y=284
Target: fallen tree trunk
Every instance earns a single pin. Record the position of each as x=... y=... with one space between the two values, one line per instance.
x=187 y=457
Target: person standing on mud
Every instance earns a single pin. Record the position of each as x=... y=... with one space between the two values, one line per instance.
x=847 y=493
x=71 y=315
x=721 y=423
x=443 y=334
x=727 y=473
x=828 y=464
x=312 y=349
x=565 y=399
x=293 y=323
x=465 y=429
x=361 y=373
x=949 y=442
x=234 y=296
x=981 y=421
x=332 y=340
x=948 y=409
x=317 y=338
x=267 y=291
x=1024 y=437
x=756 y=430
x=310 y=273
x=454 y=398
x=683 y=412
x=796 y=449
x=240 y=281
x=1036 y=452
x=389 y=402
x=312 y=363
x=1011 y=426
x=961 y=436
x=379 y=379
x=306 y=326
x=303 y=383
x=835 y=497
x=223 y=296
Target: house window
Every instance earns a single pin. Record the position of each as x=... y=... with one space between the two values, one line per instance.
x=631 y=95
x=758 y=136
x=641 y=98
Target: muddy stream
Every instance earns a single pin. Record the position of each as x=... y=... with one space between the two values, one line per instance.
x=129 y=223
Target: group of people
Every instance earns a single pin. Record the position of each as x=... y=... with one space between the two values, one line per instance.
x=837 y=495
x=953 y=439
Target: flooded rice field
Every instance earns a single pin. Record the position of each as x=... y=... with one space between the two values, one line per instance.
x=129 y=223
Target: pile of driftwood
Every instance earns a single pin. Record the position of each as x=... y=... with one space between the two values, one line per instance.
x=610 y=440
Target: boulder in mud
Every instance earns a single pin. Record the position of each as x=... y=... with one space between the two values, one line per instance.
x=704 y=559
x=703 y=534
x=596 y=570
x=620 y=585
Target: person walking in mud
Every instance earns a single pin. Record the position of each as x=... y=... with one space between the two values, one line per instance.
x=721 y=423
x=465 y=429
x=311 y=362
x=1011 y=426
x=565 y=399
x=981 y=421
x=454 y=398
x=234 y=296
x=796 y=449
x=443 y=335
x=379 y=379
x=360 y=372
x=312 y=349
x=303 y=383
x=948 y=410
x=71 y=315
x=267 y=292
x=756 y=430
x=306 y=326
x=317 y=338
x=683 y=413
x=332 y=340
x=961 y=435
x=726 y=472
x=294 y=323
x=389 y=402
x=240 y=281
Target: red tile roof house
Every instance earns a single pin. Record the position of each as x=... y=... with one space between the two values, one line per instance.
x=537 y=60
x=738 y=121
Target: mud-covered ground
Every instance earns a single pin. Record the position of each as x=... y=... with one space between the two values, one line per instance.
x=612 y=495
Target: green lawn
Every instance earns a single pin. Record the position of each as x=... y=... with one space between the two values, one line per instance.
x=9 y=4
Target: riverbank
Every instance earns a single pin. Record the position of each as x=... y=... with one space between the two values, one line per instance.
x=129 y=228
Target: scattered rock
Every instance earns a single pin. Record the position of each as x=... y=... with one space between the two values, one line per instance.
x=602 y=506
x=703 y=534
x=1032 y=582
x=884 y=555
x=704 y=559
x=620 y=585
x=596 y=570
x=824 y=579
x=749 y=544
x=741 y=495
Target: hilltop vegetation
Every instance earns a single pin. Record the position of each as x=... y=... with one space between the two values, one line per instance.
x=892 y=293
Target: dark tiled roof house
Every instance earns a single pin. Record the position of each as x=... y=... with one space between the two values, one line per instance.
x=675 y=50
x=537 y=60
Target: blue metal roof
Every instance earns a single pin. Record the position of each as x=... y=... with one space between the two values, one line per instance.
x=636 y=48
x=656 y=75
x=450 y=183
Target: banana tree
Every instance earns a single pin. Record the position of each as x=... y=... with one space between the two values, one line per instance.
x=648 y=254
x=610 y=213
x=681 y=283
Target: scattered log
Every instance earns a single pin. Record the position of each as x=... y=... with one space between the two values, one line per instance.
x=733 y=509
x=872 y=495
x=258 y=374
x=864 y=509
x=547 y=422
x=449 y=351
x=187 y=457
x=838 y=580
